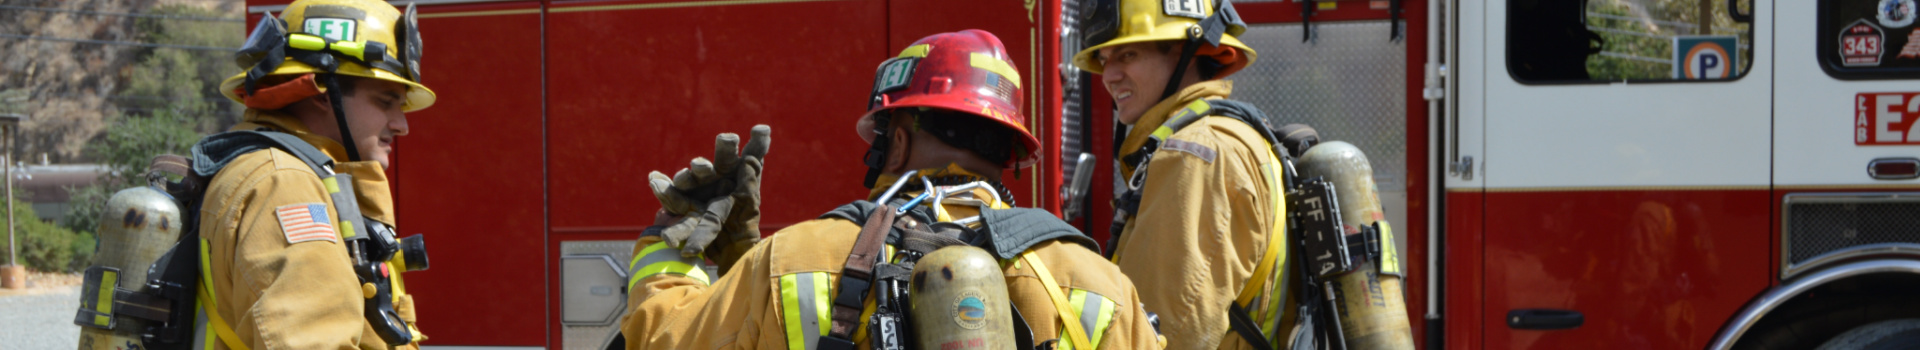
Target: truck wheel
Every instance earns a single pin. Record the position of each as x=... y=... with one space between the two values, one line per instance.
x=1807 y=326
x=1883 y=335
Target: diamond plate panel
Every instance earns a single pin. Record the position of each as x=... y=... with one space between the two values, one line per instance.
x=1349 y=83
x=1072 y=92
x=585 y=337
x=1820 y=225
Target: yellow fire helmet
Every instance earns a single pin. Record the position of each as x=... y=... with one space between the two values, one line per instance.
x=1105 y=23
x=362 y=38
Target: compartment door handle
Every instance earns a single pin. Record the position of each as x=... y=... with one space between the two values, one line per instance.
x=1544 y=319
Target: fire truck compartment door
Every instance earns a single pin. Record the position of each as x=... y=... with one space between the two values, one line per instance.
x=590 y=289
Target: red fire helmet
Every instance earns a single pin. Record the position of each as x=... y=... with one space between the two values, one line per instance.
x=966 y=71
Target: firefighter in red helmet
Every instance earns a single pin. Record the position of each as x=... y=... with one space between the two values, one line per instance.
x=943 y=123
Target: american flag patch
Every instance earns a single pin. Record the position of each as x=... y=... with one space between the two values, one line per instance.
x=306 y=222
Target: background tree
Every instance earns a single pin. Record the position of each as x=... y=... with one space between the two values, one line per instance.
x=182 y=104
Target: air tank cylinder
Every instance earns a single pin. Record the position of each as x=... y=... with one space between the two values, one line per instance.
x=138 y=225
x=1373 y=309
x=960 y=301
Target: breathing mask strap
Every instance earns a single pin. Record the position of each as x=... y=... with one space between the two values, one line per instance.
x=340 y=116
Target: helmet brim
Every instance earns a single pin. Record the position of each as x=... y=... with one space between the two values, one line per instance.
x=418 y=96
x=956 y=105
x=1169 y=31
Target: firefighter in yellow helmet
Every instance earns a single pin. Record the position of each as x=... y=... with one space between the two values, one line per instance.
x=1201 y=229
x=339 y=77
x=937 y=153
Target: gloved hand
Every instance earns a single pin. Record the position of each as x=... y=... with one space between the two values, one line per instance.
x=720 y=199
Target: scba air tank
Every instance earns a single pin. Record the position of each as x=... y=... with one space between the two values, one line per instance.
x=960 y=301
x=138 y=225
x=1373 y=309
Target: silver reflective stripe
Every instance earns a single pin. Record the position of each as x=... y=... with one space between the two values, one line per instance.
x=809 y=323
x=1090 y=314
x=201 y=333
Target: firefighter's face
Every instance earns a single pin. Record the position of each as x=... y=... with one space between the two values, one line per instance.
x=1135 y=73
x=374 y=113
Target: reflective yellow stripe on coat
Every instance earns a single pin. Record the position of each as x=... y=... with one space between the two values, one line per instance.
x=1096 y=314
x=804 y=308
x=809 y=294
x=1273 y=263
x=658 y=259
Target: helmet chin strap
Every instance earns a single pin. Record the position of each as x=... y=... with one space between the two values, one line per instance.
x=340 y=116
x=1180 y=69
x=1208 y=31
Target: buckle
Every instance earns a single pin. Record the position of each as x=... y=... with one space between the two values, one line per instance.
x=843 y=297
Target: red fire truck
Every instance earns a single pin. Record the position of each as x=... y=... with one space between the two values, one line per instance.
x=1656 y=174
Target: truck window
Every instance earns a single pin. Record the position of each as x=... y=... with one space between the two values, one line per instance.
x=1869 y=39
x=1562 y=41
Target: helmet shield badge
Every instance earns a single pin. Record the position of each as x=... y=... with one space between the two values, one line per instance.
x=263 y=51
x=408 y=35
x=893 y=75
x=1100 y=21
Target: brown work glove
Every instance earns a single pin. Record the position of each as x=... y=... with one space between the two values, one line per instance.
x=720 y=200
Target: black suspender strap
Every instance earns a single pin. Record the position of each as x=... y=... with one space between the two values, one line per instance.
x=856 y=279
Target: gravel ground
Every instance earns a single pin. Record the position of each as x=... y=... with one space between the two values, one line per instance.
x=42 y=320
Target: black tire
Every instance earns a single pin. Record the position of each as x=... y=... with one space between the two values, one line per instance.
x=1883 y=335
x=1809 y=325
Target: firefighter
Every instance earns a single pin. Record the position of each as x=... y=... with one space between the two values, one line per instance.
x=943 y=114
x=276 y=260
x=1201 y=228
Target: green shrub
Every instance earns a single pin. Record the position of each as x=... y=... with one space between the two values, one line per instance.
x=46 y=246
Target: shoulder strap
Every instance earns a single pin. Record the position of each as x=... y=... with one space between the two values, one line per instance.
x=218 y=325
x=1068 y=319
x=214 y=152
x=856 y=279
x=858 y=212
